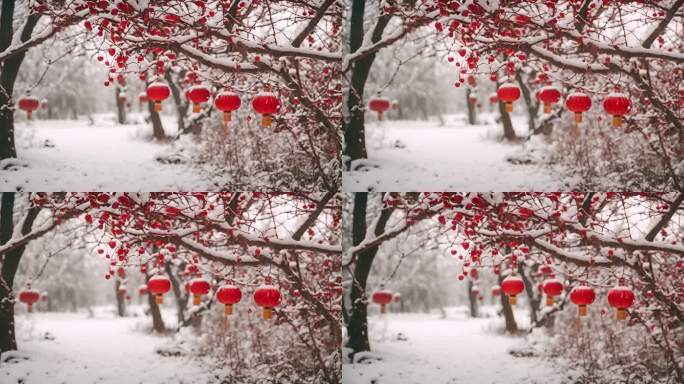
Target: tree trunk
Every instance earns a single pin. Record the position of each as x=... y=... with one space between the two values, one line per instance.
x=354 y=123
x=472 y=111
x=508 y=131
x=10 y=265
x=472 y=300
x=120 y=299
x=10 y=69
x=181 y=108
x=357 y=326
x=120 y=106
x=533 y=300
x=157 y=128
x=157 y=321
x=181 y=300
x=511 y=325
x=530 y=104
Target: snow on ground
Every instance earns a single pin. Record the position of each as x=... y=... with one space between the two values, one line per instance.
x=451 y=350
x=454 y=156
x=73 y=348
x=76 y=155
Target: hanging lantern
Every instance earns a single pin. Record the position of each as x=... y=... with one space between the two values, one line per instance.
x=198 y=94
x=549 y=96
x=227 y=102
x=545 y=269
x=621 y=298
x=158 y=92
x=472 y=99
x=266 y=104
x=142 y=99
x=475 y=291
x=29 y=297
x=493 y=98
x=158 y=285
x=198 y=287
x=29 y=104
x=496 y=291
x=552 y=288
x=474 y=273
x=122 y=290
x=397 y=297
x=582 y=296
x=44 y=104
x=268 y=297
x=578 y=102
x=379 y=105
x=617 y=105
x=395 y=105
x=508 y=93
x=512 y=286
x=121 y=272
x=142 y=290
x=228 y=295
x=383 y=298
x=122 y=98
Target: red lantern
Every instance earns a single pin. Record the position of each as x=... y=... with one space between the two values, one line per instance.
x=122 y=98
x=266 y=104
x=508 y=93
x=122 y=290
x=621 y=298
x=228 y=295
x=198 y=287
x=493 y=98
x=198 y=94
x=545 y=269
x=552 y=288
x=142 y=290
x=512 y=286
x=578 y=102
x=548 y=96
x=475 y=291
x=158 y=285
x=582 y=296
x=227 y=102
x=395 y=105
x=121 y=272
x=158 y=92
x=617 y=105
x=29 y=104
x=473 y=273
x=29 y=297
x=44 y=104
x=397 y=297
x=268 y=297
x=383 y=298
x=496 y=290
x=379 y=105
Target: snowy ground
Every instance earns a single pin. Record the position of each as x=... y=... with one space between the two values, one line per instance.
x=75 y=349
x=75 y=155
x=450 y=157
x=451 y=350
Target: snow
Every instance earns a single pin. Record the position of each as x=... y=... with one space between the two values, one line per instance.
x=424 y=348
x=424 y=156
x=74 y=155
x=73 y=348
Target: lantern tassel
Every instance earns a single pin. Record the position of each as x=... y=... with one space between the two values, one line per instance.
x=512 y=299
x=621 y=314
x=228 y=310
x=578 y=117
x=381 y=115
x=159 y=299
x=382 y=308
x=226 y=117
x=268 y=313
x=582 y=310
x=197 y=299
x=30 y=307
x=509 y=107
x=547 y=108
x=617 y=121
x=549 y=300
x=266 y=121
x=28 y=115
x=195 y=108
x=157 y=106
